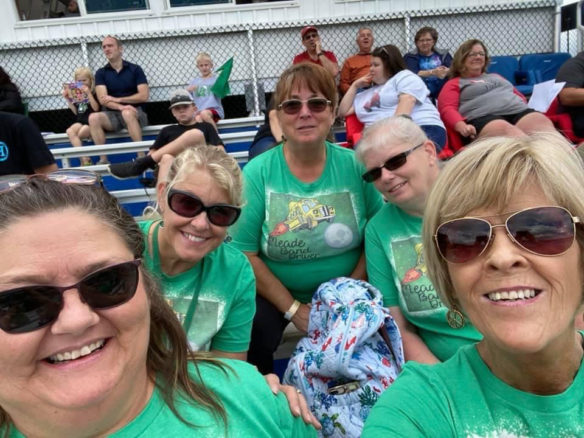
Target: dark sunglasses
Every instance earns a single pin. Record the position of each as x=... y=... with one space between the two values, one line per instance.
x=314 y=104
x=65 y=176
x=393 y=163
x=544 y=231
x=29 y=308
x=186 y=204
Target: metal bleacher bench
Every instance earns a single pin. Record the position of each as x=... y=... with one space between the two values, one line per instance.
x=64 y=154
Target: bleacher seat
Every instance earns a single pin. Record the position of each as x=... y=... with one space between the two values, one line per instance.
x=541 y=67
x=506 y=66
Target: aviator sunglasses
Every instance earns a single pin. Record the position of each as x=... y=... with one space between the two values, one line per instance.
x=186 y=204
x=393 y=163
x=65 y=176
x=544 y=231
x=29 y=308
x=314 y=104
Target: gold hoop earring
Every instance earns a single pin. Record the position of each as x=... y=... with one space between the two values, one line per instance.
x=455 y=318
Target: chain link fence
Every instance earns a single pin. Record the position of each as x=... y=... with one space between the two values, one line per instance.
x=261 y=52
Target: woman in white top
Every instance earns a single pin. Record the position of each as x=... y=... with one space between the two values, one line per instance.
x=391 y=89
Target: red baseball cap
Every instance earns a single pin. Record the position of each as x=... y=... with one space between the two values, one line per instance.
x=307 y=29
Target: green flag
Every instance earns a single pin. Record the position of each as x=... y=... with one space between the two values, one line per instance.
x=221 y=86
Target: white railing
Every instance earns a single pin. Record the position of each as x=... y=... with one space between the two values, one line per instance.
x=64 y=154
x=130 y=196
x=243 y=122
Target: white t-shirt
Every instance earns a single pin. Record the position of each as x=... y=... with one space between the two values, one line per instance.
x=380 y=101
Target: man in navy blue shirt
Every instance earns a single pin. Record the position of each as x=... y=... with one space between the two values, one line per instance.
x=121 y=88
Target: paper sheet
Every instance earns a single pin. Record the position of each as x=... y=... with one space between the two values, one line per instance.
x=544 y=94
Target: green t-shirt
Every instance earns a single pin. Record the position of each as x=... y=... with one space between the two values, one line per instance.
x=462 y=398
x=217 y=295
x=395 y=265
x=306 y=233
x=252 y=410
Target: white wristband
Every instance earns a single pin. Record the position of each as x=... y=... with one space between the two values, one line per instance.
x=292 y=310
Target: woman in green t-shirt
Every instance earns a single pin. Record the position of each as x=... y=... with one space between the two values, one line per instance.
x=402 y=165
x=209 y=284
x=504 y=246
x=88 y=345
x=305 y=213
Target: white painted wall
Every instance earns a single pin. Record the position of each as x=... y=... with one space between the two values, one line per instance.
x=160 y=18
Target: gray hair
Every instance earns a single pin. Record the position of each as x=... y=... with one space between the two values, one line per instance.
x=390 y=131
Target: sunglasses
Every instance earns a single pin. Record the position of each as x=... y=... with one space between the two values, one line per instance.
x=29 y=308
x=544 y=231
x=65 y=176
x=186 y=204
x=314 y=104
x=393 y=163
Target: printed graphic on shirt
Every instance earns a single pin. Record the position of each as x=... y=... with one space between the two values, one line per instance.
x=202 y=91
x=418 y=292
x=301 y=228
x=208 y=317
x=429 y=62
x=375 y=101
x=4 y=152
x=514 y=427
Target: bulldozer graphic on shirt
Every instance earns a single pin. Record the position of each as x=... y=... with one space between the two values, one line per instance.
x=304 y=214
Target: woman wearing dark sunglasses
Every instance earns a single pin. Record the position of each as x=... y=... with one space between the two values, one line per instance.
x=401 y=162
x=504 y=245
x=305 y=213
x=89 y=346
x=210 y=285
x=391 y=89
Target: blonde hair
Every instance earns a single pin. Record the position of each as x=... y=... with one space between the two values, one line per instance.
x=223 y=169
x=488 y=174
x=85 y=71
x=203 y=55
x=393 y=130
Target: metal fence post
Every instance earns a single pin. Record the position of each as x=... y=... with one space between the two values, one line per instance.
x=254 y=76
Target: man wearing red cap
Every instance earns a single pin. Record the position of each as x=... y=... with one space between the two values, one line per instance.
x=314 y=52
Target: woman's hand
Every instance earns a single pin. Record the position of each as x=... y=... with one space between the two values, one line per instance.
x=465 y=129
x=363 y=81
x=441 y=72
x=300 y=318
x=296 y=400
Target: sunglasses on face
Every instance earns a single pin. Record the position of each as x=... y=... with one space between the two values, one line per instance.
x=393 y=163
x=544 y=231
x=29 y=308
x=314 y=104
x=186 y=204
x=65 y=176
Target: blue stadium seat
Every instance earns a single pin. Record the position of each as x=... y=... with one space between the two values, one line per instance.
x=541 y=67
x=505 y=66
x=508 y=67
